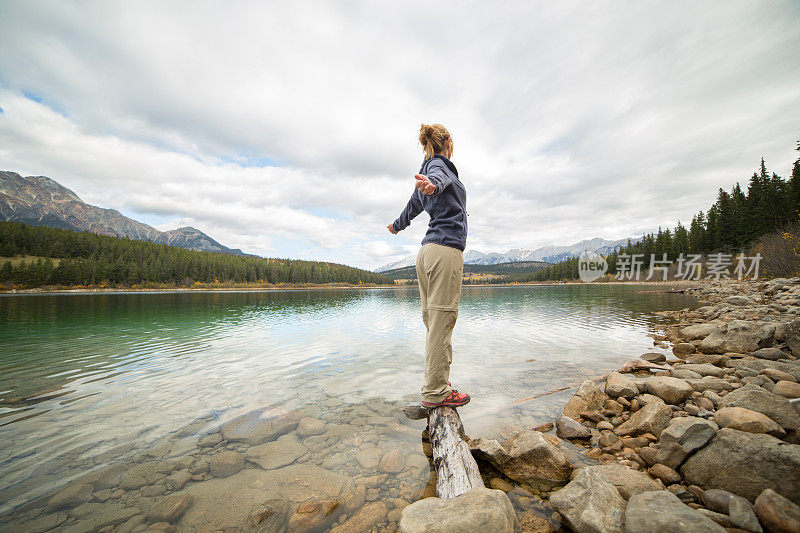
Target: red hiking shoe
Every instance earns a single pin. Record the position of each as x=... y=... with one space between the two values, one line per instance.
x=455 y=399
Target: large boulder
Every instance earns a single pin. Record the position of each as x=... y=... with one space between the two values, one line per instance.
x=620 y=385
x=747 y=420
x=590 y=503
x=260 y=426
x=588 y=397
x=652 y=418
x=787 y=389
x=776 y=513
x=697 y=331
x=705 y=369
x=527 y=457
x=757 y=399
x=671 y=390
x=791 y=336
x=627 y=480
x=683 y=436
x=659 y=511
x=746 y=464
x=709 y=383
x=740 y=336
x=753 y=363
x=480 y=509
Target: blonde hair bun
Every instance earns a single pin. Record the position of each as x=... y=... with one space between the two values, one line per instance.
x=433 y=137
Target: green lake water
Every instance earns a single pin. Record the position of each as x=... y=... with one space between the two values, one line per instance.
x=92 y=381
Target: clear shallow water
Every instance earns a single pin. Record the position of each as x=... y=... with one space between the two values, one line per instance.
x=90 y=380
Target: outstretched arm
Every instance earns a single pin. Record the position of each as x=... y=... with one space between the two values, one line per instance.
x=435 y=181
x=413 y=208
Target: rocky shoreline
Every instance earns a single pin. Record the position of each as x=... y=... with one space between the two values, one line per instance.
x=707 y=440
x=704 y=440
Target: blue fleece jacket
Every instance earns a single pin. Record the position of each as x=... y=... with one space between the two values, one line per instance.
x=446 y=206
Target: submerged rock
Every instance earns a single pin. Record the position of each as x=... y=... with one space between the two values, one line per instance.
x=226 y=463
x=269 y=517
x=260 y=426
x=364 y=519
x=480 y=509
x=170 y=509
x=313 y=514
x=275 y=454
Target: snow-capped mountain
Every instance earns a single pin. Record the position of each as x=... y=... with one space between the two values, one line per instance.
x=548 y=254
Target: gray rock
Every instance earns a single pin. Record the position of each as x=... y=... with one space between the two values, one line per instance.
x=683 y=436
x=275 y=454
x=588 y=397
x=757 y=399
x=710 y=383
x=682 y=349
x=746 y=464
x=757 y=365
x=260 y=426
x=627 y=480
x=653 y=357
x=682 y=373
x=740 y=336
x=590 y=503
x=742 y=516
x=705 y=369
x=659 y=511
x=567 y=428
x=776 y=513
x=773 y=354
x=226 y=463
x=791 y=336
x=697 y=331
x=747 y=420
x=527 y=457
x=719 y=500
x=621 y=385
x=739 y=300
x=671 y=390
x=480 y=509
x=651 y=418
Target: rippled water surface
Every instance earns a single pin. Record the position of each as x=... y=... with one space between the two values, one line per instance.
x=91 y=380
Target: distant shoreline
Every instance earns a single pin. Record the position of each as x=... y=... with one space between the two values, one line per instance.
x=235 y=288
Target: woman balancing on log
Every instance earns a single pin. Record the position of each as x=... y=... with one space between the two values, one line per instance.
x=439 y=263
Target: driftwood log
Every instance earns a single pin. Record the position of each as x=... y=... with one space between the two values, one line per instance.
x=456 y=469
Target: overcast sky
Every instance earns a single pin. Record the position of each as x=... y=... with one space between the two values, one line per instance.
x=290 y=129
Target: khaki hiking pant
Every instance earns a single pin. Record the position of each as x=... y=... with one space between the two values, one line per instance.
x=439 y=271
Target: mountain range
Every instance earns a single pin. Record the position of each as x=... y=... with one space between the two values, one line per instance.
x=547 y=254
x=41 y=201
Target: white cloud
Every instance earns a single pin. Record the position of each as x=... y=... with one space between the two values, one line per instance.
x=571 y=120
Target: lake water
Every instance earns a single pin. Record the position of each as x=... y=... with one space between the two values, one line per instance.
x=99 y=384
